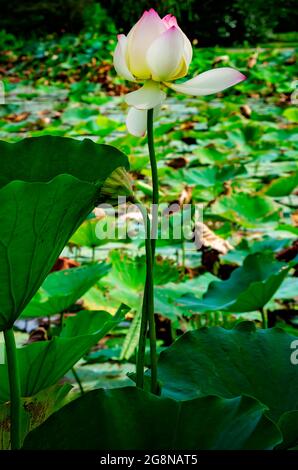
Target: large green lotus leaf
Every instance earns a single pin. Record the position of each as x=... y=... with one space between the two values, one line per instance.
x=35 y=410
x=61 y=289
x=48 y=185
x=86 y=234
x=130 y=419
x=291 y=114
x=207 y=156
x=90 y=322
x=247 y=210
x=288 y=290
x=282 y=186
x=131 y=271
x=167 y=297
x=97 y=232
x=36 y=220
x=249 y=287
x=125 y=281
x=246 y=247
x=211 y=176
x=204 y=177
x=43 y=363
x=229 y=363
x=288 y=424
x=43 y=158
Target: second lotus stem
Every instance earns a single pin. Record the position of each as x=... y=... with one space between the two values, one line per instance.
x=15 y=389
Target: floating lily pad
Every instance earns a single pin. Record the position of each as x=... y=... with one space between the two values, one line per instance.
x=167 y=297
x=282 y=186
x=247 y=210
x=291 y=114
x=249 y=287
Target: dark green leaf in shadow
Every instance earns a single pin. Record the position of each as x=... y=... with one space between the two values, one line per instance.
x=288 y=424
x=228 y=363
x=129 y=418
x=43 y=363
x=35 y=410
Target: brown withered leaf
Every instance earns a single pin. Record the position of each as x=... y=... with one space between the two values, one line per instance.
x=64 y=263
x=227 y=188
x=186 y=126
x=254 y=95
x=245 y=110
x=287 y=254
x=186 y=195
x=17 y=117
x=211 y=240
x=220 y=59
x=294 y=218
x=291 y=60
x=176 y=163
x=193 y=272
x=284 y=98
x=43 y=122
x=40 y=334
x=252 y=60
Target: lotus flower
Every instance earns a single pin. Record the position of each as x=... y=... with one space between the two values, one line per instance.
x=157 y=52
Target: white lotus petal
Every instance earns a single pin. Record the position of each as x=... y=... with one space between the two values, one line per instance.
x=165 y=55
x=147 y=97
x=187 y=49
x=209 y=82
x=169 y=21
x=140 y=37
x=136 y=122
x=120 y=61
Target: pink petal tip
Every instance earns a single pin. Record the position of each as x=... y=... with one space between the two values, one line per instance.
x=170 y=20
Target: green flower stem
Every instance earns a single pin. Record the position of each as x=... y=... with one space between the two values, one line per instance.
x=15 y=389
x=148 y=300
x=78 y=380
x=147 y=315
x=264 y=318
x=154 y=175
x=153 y=232
x=142 y=342
x=150 y=308
x=144 y=319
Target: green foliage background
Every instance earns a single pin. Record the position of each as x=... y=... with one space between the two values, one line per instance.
x=211 y=22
